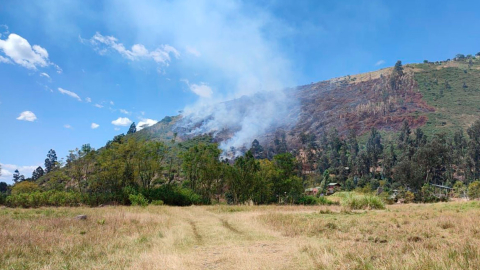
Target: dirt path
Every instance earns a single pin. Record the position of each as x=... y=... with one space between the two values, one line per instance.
x=200 y=239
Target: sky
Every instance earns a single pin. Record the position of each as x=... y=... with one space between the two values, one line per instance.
x=76 y=72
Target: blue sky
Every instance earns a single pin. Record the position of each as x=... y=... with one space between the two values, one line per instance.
x=75 y=72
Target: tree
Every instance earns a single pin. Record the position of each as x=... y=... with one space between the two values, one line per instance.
x=150 y=163
x=398 y=68
x=37 y=173
x=474 y=149
x=395 y=78
x=374 y=147
x=240 y=178
x=50 y=161
x=17 y=177
x=132 y=129
x=3 y=187
x=257 y=149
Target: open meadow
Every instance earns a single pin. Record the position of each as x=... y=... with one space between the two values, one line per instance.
x=410 y=236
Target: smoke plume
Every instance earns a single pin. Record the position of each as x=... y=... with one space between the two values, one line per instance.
x=231 y=59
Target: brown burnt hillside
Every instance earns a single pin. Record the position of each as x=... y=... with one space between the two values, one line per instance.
x=361 y=102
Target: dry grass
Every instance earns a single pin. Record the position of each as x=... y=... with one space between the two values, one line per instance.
x=432 y=236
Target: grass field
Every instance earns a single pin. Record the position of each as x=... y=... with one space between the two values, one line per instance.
x=430 y=236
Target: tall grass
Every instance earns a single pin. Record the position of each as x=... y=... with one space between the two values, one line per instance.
x=311 y=200
x=354 y=201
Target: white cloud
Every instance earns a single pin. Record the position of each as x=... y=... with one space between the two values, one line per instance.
x=67 y=126
x=111 y=103
x=146 y=123
x=124 y=111
x=43 y=74
x=19 y=51
x=9 y=169
x=98 y=106
x=202 y=89
x=69 y=93
x=379 y=63
x=27 y=116
x=138 y=51
x=87 y=99
x=192 y=50
x=94 y=125
x=122 y=121
x=5 y=60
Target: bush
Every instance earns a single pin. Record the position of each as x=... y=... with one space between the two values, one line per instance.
x=307 y=200
x=157 y=202
x=25 y=187
x=311 y=200
x=173 y=195
x=353 y=202
x=138 y=200
x=409 y=197
x=474 y=190
x=49 y=198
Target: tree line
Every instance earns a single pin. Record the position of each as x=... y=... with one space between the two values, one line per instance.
x=127 y=170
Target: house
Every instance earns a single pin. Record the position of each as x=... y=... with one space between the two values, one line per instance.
x=311 y=191
x=440 y=191
x=332 y=188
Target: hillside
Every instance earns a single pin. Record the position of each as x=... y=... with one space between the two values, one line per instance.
x=439 y=97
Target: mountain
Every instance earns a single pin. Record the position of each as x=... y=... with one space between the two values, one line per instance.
x=437 y=96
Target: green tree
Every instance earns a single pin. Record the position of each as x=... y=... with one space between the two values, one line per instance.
x=3 y=187
x=17 y=177
x=398 y=68
x=202 y=169
x=287 y=181
x=474 y=150
x=37 y=173
x=50 y=161
x=374 y=146
x=474 y=190
x=132 y=129
x=241 y=176
x=263 y=185
x=150 y=163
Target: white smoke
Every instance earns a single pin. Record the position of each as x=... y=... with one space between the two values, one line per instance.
x=232 y=51
x=247 y=118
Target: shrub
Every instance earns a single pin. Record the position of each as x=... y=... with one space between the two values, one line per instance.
x=474 y=190
x=353 y=202
x=324 y=201
x=49 y=198
x=157 y=202
x=311 y=200
x=138 y=200
x=307 y=200
x=459 y=189
x=173 y=195
x=25 y=187
x=409 y=197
